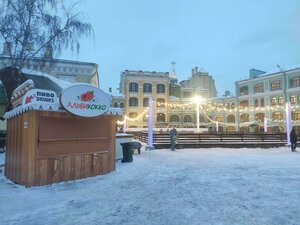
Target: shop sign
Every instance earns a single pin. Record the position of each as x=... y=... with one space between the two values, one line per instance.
x=39 y=97
x=85 y=100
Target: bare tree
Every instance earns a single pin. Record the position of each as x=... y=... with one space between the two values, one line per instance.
x=38 y=28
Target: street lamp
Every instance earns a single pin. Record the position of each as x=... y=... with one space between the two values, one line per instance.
x=198 y=100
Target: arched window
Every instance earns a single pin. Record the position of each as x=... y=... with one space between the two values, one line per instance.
x=147 y=88
x=116 y=105
x=201 y=119
x=160 y=88
x=160 y=118
x=187 y=119
x=232 y=105
x=245 y=118
x=244 y=104
x=230 y=119
x=273 y=101
x=160 y=102
x=256 y=103
x=133 y=87
x=133 y=102
x=293 y=99
x=174 y=118
x=262 y=102
x=280 y=100
x=219 y=118
x=121 y=105
x=132 y=115
x=146 y=102
x=259 y=117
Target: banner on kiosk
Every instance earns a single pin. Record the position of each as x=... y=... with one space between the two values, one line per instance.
x=39 y=97
x=85 y=100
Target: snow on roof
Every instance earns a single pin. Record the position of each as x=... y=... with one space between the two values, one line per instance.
x=61 y=83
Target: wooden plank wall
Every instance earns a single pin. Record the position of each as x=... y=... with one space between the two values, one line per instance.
x=58 y=146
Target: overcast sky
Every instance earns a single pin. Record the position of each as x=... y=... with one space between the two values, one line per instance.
x=223 y=37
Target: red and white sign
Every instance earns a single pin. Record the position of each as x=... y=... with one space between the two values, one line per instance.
x=85 y=100
x=39 y=97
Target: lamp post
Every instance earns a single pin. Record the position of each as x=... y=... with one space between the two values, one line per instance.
x=150 y=125
x=198 y=100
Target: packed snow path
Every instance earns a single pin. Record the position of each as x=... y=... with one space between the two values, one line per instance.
x=189 y=186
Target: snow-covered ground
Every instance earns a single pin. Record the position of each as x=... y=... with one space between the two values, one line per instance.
x=189 y=186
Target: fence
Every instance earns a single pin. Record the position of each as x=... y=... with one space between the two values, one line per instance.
x=189 y=138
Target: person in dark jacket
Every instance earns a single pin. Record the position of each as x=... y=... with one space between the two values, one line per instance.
x=173 y=138
x=293 y=139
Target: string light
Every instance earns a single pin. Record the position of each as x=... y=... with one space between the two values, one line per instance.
x=220 y=108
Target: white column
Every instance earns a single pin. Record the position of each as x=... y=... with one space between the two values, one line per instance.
x=265 y=125
x=217 y=126
x=288 y=121
x=124 y=124
x=150 y=125
x=198 y=115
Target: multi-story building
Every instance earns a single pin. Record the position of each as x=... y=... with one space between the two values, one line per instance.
x=258 y=99
x=137 y=87
x=168 y=97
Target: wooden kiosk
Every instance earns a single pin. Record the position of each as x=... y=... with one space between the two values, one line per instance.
x=49 y=146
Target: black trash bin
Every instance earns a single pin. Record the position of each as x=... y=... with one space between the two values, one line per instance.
x=127 y=148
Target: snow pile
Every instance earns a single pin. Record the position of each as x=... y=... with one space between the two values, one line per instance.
x=189 y=186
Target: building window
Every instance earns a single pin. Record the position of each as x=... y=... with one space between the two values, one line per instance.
x=262 y=102
x=259 y=117
x=230 y=129
x=187 y=119
x=121 y=105
x=296 y=115
x=116 y=105
x=293 y=99
x=227 y=106
x=276 y=85
x=146 y=102
x=133 y=87
x=273 y=101
x=160 y=102
x=174 y=119
x=244 y=90
x=160 y=118
x=295 y=82
x=219 y=118
x=133 y=115
x=230 y=119
x=147 y=88
x=277 y=116
x=244 y=104
x=232 y=105
x=244 y=118
x=280 y=100
x=256 y=103
x=160 y=88
x=133 y=102
x=201 y=119
x=258 y=88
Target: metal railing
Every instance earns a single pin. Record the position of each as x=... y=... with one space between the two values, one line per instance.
x=164 y=138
